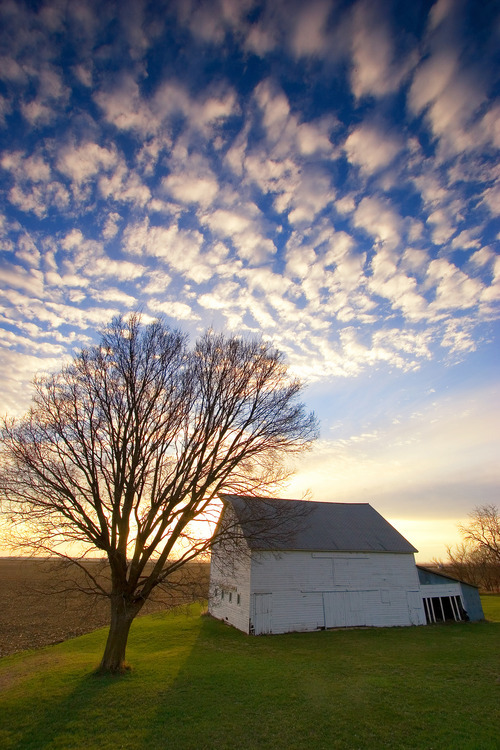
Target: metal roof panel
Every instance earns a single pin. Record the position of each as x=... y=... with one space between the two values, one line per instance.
x=282 y=524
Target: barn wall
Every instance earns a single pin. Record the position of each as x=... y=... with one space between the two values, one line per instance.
x=229 y=593
x=472 y=602
x=306 y=591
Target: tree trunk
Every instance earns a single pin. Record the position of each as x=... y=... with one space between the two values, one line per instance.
x=122 y=616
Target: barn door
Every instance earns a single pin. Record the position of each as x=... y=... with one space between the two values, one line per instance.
x=263 y=613
x=336 y=606
x=415 y=606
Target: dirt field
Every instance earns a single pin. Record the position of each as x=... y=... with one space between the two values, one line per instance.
x=33 y=615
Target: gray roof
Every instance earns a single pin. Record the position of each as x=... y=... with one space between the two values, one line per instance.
x=429 y=575
x=279 y=524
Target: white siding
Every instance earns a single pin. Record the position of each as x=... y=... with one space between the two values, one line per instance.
x=306 y=591
x=229 y=594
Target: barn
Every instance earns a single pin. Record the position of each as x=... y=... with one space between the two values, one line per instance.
x=295 y=565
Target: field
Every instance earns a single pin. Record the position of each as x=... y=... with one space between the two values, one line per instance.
x=197 y=684
x=36 y=611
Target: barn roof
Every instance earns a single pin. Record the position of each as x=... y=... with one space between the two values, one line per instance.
x=428 y=575
x=278 y=524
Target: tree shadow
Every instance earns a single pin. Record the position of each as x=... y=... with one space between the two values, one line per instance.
x=237 y=701
x=53 y=724
x=81 y=708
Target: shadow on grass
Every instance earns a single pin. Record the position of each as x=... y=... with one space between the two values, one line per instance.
x=54 y=699
x=56 y=722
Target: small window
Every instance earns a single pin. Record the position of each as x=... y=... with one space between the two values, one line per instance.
x=230 y=596
x=222 y=595
x=238 y=599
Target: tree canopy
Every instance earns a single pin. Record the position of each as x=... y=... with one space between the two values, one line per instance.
x=133 y=441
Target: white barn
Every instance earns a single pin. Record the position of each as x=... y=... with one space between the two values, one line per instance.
x=299 y=566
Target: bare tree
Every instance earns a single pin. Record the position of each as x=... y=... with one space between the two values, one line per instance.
x=483 y=531
x=477 y=559
x=129 y=445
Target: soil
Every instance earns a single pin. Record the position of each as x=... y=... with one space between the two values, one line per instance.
x=39 y=604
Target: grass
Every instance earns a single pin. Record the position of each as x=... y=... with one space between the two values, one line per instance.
x=491 y=606
x=197 y=684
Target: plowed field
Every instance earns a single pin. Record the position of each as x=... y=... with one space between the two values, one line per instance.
x=38 y=607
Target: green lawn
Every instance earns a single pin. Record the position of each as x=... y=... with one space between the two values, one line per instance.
x=198 y=684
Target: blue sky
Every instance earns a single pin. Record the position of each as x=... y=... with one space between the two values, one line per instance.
x=323 y=174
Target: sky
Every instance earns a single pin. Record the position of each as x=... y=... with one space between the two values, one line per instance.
x=323 y=174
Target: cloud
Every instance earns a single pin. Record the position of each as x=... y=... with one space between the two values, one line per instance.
x=114 y=295
x=401 y=290
x=126 y=108
x=243 y=227
x=111 y=226
x=311 y=196
x=24 y=168
x=17 y=370
x=260 y=39
x=309 y=33
x=27 y=251
x=376 y=70
x=51 y=97
x=454 y=289
x=446 y=87
x=379 y=220
x=491 y=198
x=467 y=239
x=191 y=180
x=81 y=163
x=5 y=109
x=87 y=257
x=16 y=276
x=33 y=191
x=371 y=149
x=11 y=70
x=179 y=249
x=124 y=186
x=191 y=189
x=431 y=79
x=173 y=308
x=392 y=347
x=457 y=337
x=211 y=21
x=39 y=200
x=157 y=282
x=444 y=227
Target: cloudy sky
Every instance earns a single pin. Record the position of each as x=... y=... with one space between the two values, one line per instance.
x=324 y=174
